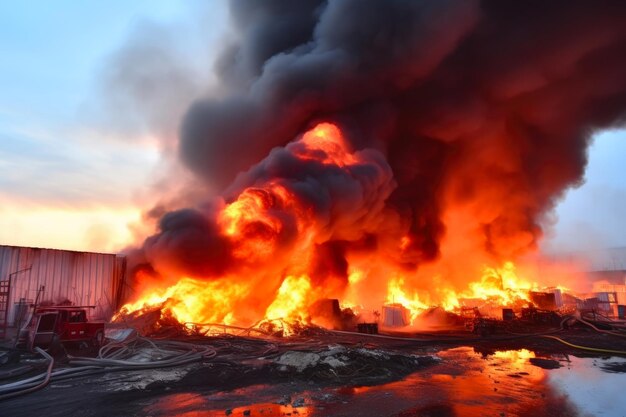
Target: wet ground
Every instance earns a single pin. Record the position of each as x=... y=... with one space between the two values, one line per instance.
x=464 y=382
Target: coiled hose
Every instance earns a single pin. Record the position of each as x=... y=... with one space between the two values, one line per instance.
x=115 y=356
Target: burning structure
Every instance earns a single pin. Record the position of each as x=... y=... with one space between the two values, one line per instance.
x=401 y=152
x=369 y=163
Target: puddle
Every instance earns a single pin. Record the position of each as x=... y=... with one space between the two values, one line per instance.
x=465 y=383
x=595 y=386
x=260 y=400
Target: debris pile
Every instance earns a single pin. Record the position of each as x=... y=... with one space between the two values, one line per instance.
x=337 y=363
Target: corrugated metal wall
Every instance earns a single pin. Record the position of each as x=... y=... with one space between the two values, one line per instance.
x=84 y=278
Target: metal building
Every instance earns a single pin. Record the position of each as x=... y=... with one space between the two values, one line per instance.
x=50 y=275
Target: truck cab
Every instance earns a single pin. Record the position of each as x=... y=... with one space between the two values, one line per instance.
x=61 y=324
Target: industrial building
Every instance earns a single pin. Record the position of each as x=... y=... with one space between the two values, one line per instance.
x=30 y=276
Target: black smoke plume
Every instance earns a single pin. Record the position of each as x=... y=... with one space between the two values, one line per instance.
x=485 y=105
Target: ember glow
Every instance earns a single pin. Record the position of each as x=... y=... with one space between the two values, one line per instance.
x=397 y=152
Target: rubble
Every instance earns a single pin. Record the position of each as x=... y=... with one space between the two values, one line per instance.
x=355 y=365
x=298 y=360
x=545 y=363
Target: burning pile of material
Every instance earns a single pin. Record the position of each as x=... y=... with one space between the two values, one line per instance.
x=371 y=150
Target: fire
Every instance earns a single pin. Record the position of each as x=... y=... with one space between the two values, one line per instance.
x=272 y=231
x=396 y=295
x=501 y=286
x=325 y=143
x=250 y=222
x=292 y=300
x=497 y=287
x=194 y=301
x=256 y=224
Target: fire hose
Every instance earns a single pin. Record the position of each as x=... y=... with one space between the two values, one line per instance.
x=598 y=329
x=116 y=356
x=592 y=349
x=31 y=384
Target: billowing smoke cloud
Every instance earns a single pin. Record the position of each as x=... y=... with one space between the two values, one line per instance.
x=458 y=112
x=307 y=199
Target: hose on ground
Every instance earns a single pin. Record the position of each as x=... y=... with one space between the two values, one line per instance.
x=598 y=329
x=30 y=384
x=592 y=349
x=115 y=356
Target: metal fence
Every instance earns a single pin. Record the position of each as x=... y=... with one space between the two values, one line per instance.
x=82 y=278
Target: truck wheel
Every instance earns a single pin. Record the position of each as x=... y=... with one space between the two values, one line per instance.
x=98 y=339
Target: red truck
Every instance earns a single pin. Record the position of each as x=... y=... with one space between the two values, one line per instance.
x=63 y=324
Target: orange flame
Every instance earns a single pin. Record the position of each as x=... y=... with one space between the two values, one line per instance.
x=293 y=298
x=396 y=295
x=325 y=143
x=265 y=287
x=501 y=286
x=194 y=301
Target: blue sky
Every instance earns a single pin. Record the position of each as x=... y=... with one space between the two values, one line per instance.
x=593 y=216
x=52 y=49
x=68 y=180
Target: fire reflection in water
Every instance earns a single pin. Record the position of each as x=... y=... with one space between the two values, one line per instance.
x=468 y=383
x=197 y=405
x=465 y=383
